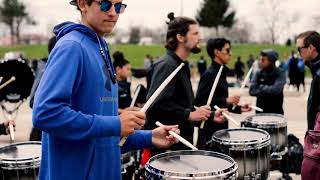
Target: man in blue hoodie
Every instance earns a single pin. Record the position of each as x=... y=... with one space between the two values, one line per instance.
x=76 y=104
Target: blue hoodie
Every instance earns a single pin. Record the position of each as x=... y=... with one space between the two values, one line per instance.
x=77 y=114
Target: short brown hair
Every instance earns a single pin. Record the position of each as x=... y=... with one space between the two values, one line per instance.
x=179 y=25
x=74 y=2
x=310 y=37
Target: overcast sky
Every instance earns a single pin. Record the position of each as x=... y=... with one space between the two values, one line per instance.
x=152 y=13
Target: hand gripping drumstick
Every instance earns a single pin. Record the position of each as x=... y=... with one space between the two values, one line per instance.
x=214 y=86
x=181 y=139
x=135 y=96
x=155 y=95
x=7 y=82
x=227 y=116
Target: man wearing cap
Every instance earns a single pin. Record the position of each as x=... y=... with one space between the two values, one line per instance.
x=268 y=82
x=76 y=103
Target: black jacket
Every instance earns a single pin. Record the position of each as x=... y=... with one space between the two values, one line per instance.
x=219 y=97
x=267 y=85
x=314 y=96
x=174 y=104
x=124 y=96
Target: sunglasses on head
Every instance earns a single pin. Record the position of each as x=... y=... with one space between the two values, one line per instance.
x=300 y=48
x=105 y=5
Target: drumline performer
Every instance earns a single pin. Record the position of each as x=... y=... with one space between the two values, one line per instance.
x=76 y=103
x=175 y=104
x=219 y=50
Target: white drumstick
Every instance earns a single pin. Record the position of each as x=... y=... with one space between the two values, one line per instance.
x=1 y=79
x=214 y=86
x=7 y=82
x=245 y=80
x=227 y=116
x=256 y=108
x=11 y=130
x=181 y=139
x=155 y=95
x=160 y=88
x=135 y=96
x=195 y=135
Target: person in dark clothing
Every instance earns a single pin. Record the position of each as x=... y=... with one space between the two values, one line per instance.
x=35 y=134
x=268 y=83
x=202 y=65
x=293 y=69
x=123 y=68
x=175 y=104
x=308 y=44
x=301 y=75
x=239 y=69
x=219 y=51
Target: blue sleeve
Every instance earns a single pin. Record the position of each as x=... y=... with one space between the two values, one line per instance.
x=138 y=140
x=52 y=110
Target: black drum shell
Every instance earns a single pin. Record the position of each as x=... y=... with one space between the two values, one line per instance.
x=252 y=157
x=277 y=130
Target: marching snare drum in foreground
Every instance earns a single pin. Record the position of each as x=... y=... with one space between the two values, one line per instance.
x=249 y=147
x=276 y=126
x=191 y=165
x=20 y=160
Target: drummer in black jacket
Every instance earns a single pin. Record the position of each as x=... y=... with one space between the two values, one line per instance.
x=175 y=104
x=268 y=83
x=219 y=50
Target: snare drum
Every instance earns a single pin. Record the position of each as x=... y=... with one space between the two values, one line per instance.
x=20 y=160
x=191 y=165
x=249 y=147
x=275 y=125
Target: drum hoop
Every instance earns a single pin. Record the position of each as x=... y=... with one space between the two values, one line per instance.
x=20 y=160
x=267 y=124
x=205 y=175
x=252 y=143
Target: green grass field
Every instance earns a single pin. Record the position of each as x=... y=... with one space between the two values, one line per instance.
x=135 y=53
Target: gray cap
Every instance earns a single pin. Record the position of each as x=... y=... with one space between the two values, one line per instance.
x=73 y=2
x=271 y=54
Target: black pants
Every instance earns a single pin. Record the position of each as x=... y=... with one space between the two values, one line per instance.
x=35 y=134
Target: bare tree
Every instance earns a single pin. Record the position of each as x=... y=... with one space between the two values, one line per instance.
x=272 y=15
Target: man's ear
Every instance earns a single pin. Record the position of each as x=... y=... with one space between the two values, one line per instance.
x=118 y=68
x=180 y=38
x=82 y=5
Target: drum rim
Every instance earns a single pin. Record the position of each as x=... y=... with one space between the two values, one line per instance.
x=232 y=170
x=268 y=124
x=20 y=160
x=256 y=143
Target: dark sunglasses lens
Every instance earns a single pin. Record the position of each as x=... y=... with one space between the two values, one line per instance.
x=105 y=6
x=119 y=7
